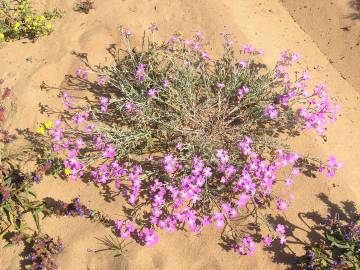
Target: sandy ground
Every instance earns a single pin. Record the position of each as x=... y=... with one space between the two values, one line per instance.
x=266 y=24
x=335 y=28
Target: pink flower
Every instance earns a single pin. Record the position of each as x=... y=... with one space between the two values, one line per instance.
x=282 y=205
x=295 y=172
x=104 y=102
x=131 y=107
x=280 y=229
x=243 y=91
x=283 y=239
x=206 y=55
x=153 y=27
x=223 y=156
x=206 y=221
x=102 y=80
x=220 y=86
x=166 y=83
x=332 y=166
x=207 y=172
x=110 y=152
x=295 y=57
x=149 y=237
x=81 y=73
x=247 y=48
x=244 y=64
x=243 y=200
x=267 y=240
x=289 y=181
x=306 y=76
x=179 y=146
x=140 y=72
x=126 y=33
x=247 y=246
x=271 y=112
x=152 y=92
x=219 y=220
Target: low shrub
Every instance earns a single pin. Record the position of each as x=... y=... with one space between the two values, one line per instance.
x=191 y=140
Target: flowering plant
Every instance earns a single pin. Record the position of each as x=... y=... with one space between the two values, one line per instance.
x=16 y=199
x=339 y=247
x=19 y=20
x=41 y=248
x=189 y=140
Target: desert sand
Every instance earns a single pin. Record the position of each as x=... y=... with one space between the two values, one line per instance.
x=328 y=51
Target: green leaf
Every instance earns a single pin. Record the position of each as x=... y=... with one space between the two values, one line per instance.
x=335 y=242
x=36 y=218
x=9 y=245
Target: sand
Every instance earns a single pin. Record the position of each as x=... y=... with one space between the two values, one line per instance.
x=270 y=24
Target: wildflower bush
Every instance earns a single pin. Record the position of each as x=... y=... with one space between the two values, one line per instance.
x=190 y=140
x=339 y=247
x=19 y=20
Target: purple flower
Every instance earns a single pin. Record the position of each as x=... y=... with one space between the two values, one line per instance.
x=247 y=48
x=219 y=220
x=126 y=33
x=280 y=229
x=295 y=57
x=207 y=172
x=206 y=55
x=243 y=200
x=289 y=181
x=243 y=91
x=306 y=76
x=102 y=80
x=223 y=156
x=149 y=237
x=283 y=239
x=140 y=72
x=244 y=64
x=131 y=107
x=271 y=112
x=332 y=166
x=104 y=102
x=267 y=240
x=153 y=27
x=110 y=152
x=179 y=146
x=282 y=205
x=152 y=92
x=220 y=86
x=247 y=246
x=166 y=83
x=170 y=164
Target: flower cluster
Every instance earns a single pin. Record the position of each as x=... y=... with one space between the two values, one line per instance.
x=42 y=249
